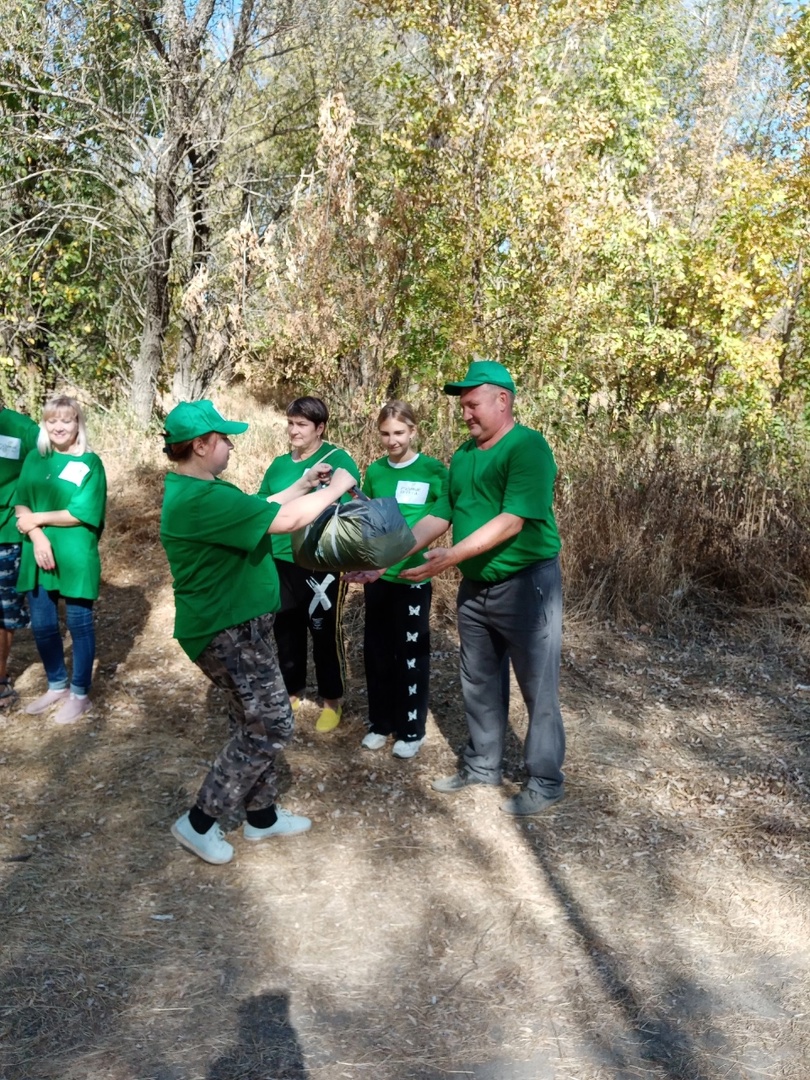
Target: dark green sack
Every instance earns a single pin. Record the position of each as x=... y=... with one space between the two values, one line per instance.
x=364 y=534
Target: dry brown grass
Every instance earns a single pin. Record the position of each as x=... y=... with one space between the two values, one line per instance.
x=654 y=533
x=654 y=924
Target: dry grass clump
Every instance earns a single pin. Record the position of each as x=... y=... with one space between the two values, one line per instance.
x=650 y=531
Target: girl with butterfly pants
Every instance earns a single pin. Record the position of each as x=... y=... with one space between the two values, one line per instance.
x=397 y=632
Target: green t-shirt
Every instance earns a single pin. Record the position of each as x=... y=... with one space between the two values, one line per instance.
x=219 y=552
x=283 y=472
x=515 y=476
x=76 y=483
x=18 y=437
x=416 y=486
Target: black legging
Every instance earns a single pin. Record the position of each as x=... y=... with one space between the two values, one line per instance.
x=397 y=657
x=303 y=611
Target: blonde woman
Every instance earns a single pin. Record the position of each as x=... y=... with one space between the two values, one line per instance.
x=60 y=501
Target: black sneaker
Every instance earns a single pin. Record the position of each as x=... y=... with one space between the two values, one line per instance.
x=463 y=778
x=531 y=801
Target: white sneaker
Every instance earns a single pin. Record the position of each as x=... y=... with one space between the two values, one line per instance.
x=286 y=824
x=373 y=741
x=43 y=703
x=210 y=846
x=72 y=709
x=403 y=749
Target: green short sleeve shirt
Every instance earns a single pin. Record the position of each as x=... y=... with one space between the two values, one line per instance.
x=215 y=538
x=76 y=483
x=284 y=471
x=18 y=437
x=416 y=486
x=515 y=476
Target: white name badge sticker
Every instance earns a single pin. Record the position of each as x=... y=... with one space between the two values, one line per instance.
x=75 y=472
x=412 y=493
x=10 y=447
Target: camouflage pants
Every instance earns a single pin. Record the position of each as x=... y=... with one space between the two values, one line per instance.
x=243 y=662
x=13 y=612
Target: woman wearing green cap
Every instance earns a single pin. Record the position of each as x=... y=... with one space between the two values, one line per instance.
x=226 y=588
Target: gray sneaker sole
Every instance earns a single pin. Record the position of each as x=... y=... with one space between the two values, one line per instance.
x=447 y=786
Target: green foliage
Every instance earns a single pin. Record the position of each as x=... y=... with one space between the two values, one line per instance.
x=58 y=292
x=579 y=194
x=610 y=198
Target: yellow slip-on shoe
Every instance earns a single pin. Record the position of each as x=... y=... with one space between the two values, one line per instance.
x=329 y=718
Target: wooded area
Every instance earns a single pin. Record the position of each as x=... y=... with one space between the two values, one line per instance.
x=261 y=198
x=324 y=195
x=610 y=197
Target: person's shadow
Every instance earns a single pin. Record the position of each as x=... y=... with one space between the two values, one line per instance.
x=267 y=1046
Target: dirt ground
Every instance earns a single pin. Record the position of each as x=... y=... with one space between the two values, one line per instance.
x=654 y=924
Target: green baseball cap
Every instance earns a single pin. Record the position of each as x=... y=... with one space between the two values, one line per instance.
x=190 y=419
x=480 y=372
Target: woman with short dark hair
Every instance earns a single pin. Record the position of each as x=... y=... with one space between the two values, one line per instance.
x=311 y=602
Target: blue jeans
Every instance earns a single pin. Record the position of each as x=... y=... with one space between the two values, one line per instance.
x=44 y=609
x=519 y=619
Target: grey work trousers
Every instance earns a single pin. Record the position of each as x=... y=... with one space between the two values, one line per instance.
x=519 y=619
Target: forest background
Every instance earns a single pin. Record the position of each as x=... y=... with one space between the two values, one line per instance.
x=252 y=199
x=354 y=198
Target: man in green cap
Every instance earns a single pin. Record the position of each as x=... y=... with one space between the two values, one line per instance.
x=506 y=545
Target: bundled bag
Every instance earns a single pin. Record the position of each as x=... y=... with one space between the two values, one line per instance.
x=364 y=534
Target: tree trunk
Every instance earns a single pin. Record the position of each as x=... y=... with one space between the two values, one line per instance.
x=202 y=359
x=146 y=369
x=184 y=384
